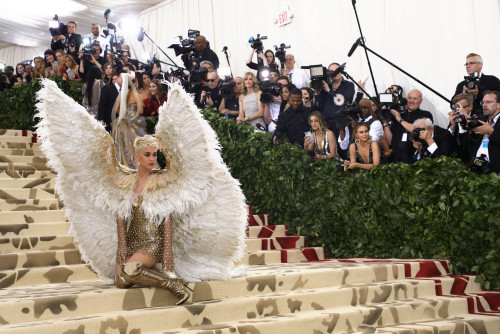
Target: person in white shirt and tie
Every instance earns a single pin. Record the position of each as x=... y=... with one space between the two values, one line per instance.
x=296 y=75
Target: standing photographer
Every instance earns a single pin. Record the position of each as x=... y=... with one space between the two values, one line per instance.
x=90 y=57
x=476 y=82
x=202 y=52
x=333 y=96
x=459 y=117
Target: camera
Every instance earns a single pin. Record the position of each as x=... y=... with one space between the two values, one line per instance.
x=269 y=89
x=393 y=100
x=415 y=136
x=480 y=165
x=57 y=28
x=348 y=110
x=474 y=121
x=460 y=118
x=256 y=43
x=319 y=73
x=227 y=88
x=280 y=52
x=472 y=81
x=186 y=45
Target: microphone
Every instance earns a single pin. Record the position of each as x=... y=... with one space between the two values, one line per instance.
x=140 y=35
x=260 y=127
x=106 y=13
x=353 y=47
x=338 y=70
x=224 y=49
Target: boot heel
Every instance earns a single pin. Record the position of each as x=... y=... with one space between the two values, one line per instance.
x=187 y=287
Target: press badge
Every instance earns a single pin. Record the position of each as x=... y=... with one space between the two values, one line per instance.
x=405 y=136
x=485 y=143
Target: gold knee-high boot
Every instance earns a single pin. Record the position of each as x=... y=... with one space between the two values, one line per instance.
x=138 y=273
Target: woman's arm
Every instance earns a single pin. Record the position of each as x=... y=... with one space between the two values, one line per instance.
x=332 y=143
x=168 y=255
x=250 y=56
x=375 y=153
x=267 y=113
x=241 y=114
x=121 y=252
x=140 y=104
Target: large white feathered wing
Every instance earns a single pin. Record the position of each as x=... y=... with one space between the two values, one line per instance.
x=79 y=149
x=210 y=229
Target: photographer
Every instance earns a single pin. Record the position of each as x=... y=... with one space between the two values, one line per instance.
x=202 y=52
x=293 y=123
x=265 y=61
x=484 y=152
x=210 y=95
x=333 y=96
x=90 y=57
x=476 y=82
x=430 y=141
x=7 y=78
x=397 y=133
x=459 y=117
x=271 y=95
x=230 y=106
x=69 y=42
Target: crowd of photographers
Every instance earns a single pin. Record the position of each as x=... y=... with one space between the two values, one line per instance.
x=328 y=117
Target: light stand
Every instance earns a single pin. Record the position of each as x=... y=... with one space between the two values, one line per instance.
x=224 y=49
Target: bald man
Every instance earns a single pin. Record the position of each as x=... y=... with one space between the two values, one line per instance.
x=202 y=52
x=402 y=124
x=296 y=75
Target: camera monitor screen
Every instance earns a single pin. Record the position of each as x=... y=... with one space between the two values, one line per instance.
x=316 y=71
x=385 y=97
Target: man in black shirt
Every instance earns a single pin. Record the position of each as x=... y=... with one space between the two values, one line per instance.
x=203 y=52
x=107 y=99
x=210 y=94
x=474 y=64
x=70 y=42
x=292 y=123
x=402 y=124
x=432 y=142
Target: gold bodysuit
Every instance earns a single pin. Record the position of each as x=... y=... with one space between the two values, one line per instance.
x=142 y=235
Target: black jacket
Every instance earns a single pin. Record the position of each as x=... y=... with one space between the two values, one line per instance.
x=445 y=145
x=292 y=124
x=473 y=143
x=486 y=82
x=109 y=93
x=206 y=54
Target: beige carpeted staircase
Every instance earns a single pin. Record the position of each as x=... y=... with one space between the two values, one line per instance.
x=289 y=288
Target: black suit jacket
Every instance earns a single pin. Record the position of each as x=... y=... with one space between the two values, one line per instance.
x=109 y=93
x=486 y=82
x=473 y=144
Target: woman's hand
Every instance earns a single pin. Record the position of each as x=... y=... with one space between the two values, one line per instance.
x=308 y=143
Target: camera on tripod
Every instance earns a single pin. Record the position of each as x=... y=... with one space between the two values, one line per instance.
x=472 y=81
x=318 y=73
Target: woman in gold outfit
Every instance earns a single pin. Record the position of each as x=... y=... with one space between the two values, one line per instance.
x=143 y=244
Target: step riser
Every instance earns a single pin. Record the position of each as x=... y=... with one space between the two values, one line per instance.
x=19 y=159
x=21 y=151
x=30 y=204
x=33 y=230
x=10 y=133
x=271 y=231
x=39 y=259
x=38 y=243
x=112 y=299
x=31 y=174
x=33 y=193
x=22 y=167
x=18 y=145
x=275 y=243
x=30 y=217
x=27 y=183
x=15 y=139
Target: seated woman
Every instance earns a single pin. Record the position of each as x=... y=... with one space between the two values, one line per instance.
x=38 y=71
x=158 y=96
x=364 y=152
x=70 y=69
x=53 y=68
x=144 y=79
x=322 y=141
x=251 y=109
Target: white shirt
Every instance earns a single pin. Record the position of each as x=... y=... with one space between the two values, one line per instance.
x=274 y=110
x=103 y=42
x=483 y=148
x=376 y=129
x=298 y=77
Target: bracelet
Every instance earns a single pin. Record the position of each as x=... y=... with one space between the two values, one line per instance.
x=401 y=121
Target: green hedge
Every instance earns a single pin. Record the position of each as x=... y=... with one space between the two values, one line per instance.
x=17 y=105
x=431 y=209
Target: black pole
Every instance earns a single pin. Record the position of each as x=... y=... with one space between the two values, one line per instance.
x=145 y=34
x=408 y=74
x=362 y=42
x=361 y=88
x=227 y=58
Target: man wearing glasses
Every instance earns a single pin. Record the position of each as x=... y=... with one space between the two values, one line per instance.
x=296 y=75
x=487 y=145
x=211 y=95
x=478 y=82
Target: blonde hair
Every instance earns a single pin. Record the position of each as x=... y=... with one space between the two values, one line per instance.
x=142 y=142
x=255 y=83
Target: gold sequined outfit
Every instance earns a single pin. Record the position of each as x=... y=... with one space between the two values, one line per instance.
x=144 y=236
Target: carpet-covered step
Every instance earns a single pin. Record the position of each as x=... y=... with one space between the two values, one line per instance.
x=30 y=204
x=15 y=139
x=33 y=259
x=30 y=217
x=18 y=145
x=254 y=258
x=275 y=243
x=297 y=311
x=23 y=159
x=36 y=243
x=33 y=229
x=45 y=275
x=258 y=220
x=267 y=231
x=33 y=193
x=32 y=174
x=109 y=299
x=10 y=132
x=21 y=151
x=48 y=182
x=10 y=166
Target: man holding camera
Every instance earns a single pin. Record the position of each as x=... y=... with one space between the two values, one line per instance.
x=333 y=96
x=459 y=117
x=293 y=122
x=397 y=134
x=93 y=59
x=202 y=52
x=476 y=82
x=485 y=150
x=210 y=95
x=69 y=42
x=95 y=37
x=430 y=141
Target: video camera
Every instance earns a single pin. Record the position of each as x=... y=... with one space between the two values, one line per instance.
x=475 y=119
x=256 y=43
x=318 y=73
x=348 y=110
x=392 y=100
x=87 y=49
x=280 y=53
x=227 y=88
x=269 y=89
x=57 y=28
x=186 y=45
x=472 y=81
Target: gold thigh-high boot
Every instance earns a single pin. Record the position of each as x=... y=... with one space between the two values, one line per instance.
x=138 y=273
x=121 y=283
